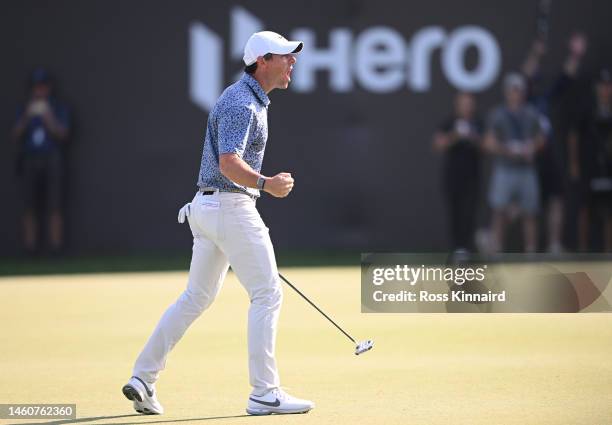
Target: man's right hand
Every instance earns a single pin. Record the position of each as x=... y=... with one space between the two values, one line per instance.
x=280 y=185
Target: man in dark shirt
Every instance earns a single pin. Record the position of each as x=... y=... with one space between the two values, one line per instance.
x=459 y=138
x=546 y=99
x=590 y=161
x=42 y=126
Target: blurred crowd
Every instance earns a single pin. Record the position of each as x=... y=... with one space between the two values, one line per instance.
x=540 y=161
x=533 y=173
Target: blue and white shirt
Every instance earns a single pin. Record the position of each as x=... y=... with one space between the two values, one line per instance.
x=238 y=123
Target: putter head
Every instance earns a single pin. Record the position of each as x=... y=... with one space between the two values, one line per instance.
x=364 y=346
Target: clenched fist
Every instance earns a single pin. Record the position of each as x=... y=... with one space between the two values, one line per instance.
x=280 y=185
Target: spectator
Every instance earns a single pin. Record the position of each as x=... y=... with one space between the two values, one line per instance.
x=459 y=139
x=513 y=137
x=549 y=160
x=590 y=156
x=42 y=127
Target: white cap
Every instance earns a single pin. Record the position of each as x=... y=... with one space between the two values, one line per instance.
x=264 y=42
x=514 y=80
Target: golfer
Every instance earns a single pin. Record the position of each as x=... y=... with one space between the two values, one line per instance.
x=227 y=230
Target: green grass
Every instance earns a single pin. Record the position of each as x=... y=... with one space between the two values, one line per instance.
x=66 y=340
x=153 y=262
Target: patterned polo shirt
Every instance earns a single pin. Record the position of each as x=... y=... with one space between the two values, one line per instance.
x=238 y=123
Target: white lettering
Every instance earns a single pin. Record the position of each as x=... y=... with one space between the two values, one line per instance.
x=423 y=43
x=335 y=59
x=453 y=57
x=380 y=60
x=380 y=53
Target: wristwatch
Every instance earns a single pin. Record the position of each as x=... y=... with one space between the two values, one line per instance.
x=261 y=183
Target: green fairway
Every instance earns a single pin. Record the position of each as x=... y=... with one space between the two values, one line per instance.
x=73 y=339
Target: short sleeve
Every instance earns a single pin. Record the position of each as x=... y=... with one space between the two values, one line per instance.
x=234 y=129
x=539 y=127
x=493 y=121
x=62 y=114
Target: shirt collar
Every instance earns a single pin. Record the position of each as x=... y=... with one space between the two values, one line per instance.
x=254 y=85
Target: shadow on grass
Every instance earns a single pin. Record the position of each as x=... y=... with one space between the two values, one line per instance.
x=144 y=421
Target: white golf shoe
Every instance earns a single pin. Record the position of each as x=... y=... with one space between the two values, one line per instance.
x=277 y=401
x=143 y=395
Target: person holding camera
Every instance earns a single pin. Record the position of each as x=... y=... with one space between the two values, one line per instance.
x=459 y=139
x=41 y=128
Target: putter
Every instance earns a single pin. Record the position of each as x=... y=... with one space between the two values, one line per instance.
x=360 y=347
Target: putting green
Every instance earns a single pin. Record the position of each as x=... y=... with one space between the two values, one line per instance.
x=73 y=339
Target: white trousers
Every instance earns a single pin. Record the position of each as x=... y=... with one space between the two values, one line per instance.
x=227 y=230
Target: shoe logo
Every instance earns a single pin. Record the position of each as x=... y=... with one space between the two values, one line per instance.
x=275 y=403
x=149 y=392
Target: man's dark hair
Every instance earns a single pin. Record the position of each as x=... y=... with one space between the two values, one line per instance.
x=250 y=69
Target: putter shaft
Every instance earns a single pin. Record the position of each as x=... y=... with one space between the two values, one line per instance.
x=318 y=309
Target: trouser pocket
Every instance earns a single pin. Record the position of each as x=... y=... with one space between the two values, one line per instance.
x=207 y=217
